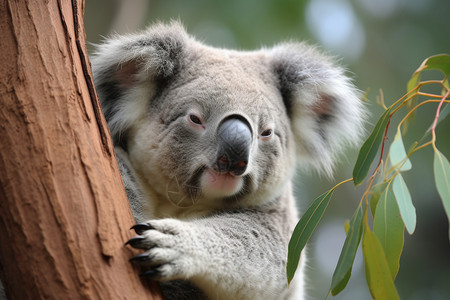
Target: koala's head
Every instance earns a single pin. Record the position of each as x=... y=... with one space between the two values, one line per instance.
x=217 y=127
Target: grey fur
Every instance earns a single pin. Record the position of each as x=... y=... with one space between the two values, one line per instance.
x=165 y=95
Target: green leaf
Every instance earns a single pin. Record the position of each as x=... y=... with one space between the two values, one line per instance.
x=397 y=153
x=442 y=179
x=342 y=284
x=369 y=149
x=412 y=83
x=303 y=231
x=377 y=190
x=346 y=226
x=378 y=275
x=344 y=266
x=439 y=62
x=405 y=205
x=445 y=88
x=389 y=229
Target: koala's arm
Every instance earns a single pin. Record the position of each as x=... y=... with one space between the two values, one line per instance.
x=224 y=254
x=232 y=255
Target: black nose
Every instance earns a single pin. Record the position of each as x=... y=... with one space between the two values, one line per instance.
x=234 y=140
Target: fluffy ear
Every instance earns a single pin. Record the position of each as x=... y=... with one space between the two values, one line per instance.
x=129 y=69
x=324 y=107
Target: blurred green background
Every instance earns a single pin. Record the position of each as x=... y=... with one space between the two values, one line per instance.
x=381 y=43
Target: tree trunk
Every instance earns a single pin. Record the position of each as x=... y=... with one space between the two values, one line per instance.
x=64 y=212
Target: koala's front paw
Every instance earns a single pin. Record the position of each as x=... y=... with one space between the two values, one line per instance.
x=167 y=247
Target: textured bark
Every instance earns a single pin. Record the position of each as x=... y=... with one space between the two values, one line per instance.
x=64 y=212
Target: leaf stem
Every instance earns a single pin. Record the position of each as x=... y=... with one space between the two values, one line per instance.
x=369 y=186
x=429 y=95
x=417 y=106
x=433 y=140
x=433 y=128
x=416 y=92
x=342 y=182
x=420 y=147
x=408 y=96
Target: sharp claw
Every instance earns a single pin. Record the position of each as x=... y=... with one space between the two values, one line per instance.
x=150 y=273
x=134 y=242
x=141 y=227
x=140 y=258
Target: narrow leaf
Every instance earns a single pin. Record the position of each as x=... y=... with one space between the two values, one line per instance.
x=405 y=205
x=378 y=275
x=346 y=226
x=397 y=153
x=389 y=229
x=342 y=284
x=442 y=179
x=303 y=231
x=344 y=266
x=376 y=192
x=369 y=149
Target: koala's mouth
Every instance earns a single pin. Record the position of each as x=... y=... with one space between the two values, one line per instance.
x=220 y=185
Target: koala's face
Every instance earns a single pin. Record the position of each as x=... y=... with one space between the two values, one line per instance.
x=216 y=134
x=217 y=128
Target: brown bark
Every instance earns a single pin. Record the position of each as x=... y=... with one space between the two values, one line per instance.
x=64 y=212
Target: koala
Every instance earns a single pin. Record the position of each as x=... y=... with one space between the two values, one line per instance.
x=208 y=141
